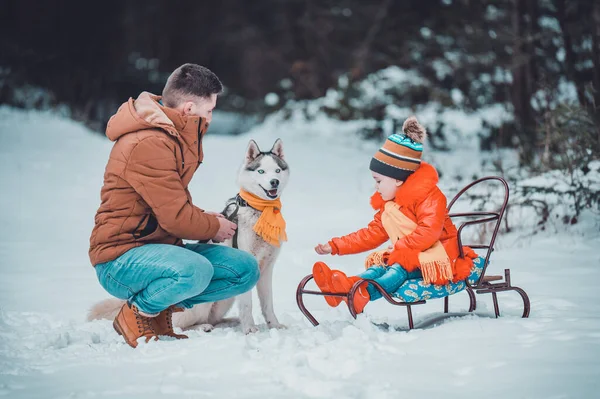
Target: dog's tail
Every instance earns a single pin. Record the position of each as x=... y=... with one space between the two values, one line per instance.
x=106 y=309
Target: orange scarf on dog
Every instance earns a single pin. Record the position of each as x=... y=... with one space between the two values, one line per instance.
x=270 y=225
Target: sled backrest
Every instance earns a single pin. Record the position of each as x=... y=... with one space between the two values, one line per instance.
x=480 y=218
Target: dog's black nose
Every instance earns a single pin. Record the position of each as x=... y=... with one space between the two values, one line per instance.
x=274 y=183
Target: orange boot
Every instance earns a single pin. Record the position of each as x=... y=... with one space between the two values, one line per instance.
x=322 y=276
x=342 y=283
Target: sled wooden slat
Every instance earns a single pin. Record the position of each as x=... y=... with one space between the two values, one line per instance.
x=484 y=285
x=491 y=278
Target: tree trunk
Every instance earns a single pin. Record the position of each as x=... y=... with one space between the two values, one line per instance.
x=522 y=85
x=594 y=109
x=363 y=51
x=563 y=20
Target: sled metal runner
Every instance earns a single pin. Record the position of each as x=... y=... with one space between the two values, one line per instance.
x=484 y=285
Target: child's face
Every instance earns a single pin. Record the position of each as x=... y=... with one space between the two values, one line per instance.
x=386 y=186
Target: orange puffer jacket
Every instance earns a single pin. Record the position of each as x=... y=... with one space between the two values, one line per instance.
x=424 y=203
x=145 y=197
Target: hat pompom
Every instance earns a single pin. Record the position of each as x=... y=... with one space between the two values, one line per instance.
x=414 y=130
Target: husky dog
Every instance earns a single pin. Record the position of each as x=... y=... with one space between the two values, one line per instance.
x=264 y=174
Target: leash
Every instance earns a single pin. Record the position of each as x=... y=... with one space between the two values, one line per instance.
x=239 y=202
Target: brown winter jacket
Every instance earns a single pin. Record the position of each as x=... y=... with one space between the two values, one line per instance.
x=145 y=197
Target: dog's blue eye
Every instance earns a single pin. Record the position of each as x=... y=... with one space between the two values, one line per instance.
x=261 y=171
x=277 y=170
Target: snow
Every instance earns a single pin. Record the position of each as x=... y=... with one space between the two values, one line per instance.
x=462 y=129
x=386 y=89
x=389 y=78
x=271 y=99
x=50 y=176
x=549 y=23
x=564 y=94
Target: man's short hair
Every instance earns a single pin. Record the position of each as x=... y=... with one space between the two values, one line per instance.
x=190 y=80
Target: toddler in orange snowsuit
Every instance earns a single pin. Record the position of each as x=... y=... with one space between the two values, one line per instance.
x=411 y=212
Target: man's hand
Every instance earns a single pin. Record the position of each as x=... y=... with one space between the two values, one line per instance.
x=226 y=230
x=323 y=249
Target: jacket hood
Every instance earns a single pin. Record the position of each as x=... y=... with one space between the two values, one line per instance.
x=145 y=112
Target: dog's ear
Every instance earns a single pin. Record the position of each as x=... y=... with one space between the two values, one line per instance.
x=278 y=148
x=252 y=151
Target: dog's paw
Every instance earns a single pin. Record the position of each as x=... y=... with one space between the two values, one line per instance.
x=277 y=325
x=206 y=327
x=250 y=329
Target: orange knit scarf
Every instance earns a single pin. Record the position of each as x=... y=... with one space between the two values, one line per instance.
x=270 y=225
x=434 y=261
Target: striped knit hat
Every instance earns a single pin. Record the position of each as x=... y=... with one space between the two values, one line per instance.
x=401 y=153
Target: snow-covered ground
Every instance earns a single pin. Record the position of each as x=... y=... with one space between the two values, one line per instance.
x=50 y=176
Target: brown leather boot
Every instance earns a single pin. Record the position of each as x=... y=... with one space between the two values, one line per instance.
x=132 y=325
x=163 y=323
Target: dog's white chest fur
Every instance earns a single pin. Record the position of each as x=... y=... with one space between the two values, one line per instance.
x=249 y=241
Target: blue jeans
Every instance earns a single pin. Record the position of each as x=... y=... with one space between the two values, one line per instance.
x=156 y=276
x=390 y=278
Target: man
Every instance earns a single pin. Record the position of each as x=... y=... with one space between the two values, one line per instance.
x=146 y=211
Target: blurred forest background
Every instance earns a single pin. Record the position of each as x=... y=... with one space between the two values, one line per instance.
x=538 y=59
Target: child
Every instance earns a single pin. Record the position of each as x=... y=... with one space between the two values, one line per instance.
x=411 y=211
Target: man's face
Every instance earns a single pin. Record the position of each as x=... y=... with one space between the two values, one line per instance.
x=202 y=107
